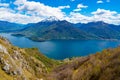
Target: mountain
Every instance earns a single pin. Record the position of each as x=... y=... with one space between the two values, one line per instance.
x=9 y=27
x=54 y=30
x=50 y=19
x=29 y=64
x=101 y=29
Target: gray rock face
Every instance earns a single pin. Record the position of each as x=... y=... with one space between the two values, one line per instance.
x=3 y=49
x=18 y=72
x=6 y=67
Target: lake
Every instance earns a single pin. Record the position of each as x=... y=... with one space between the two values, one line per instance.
x=61 y=49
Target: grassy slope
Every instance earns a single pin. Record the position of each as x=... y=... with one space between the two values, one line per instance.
x=100 y=66
x=26 y=63
x=29 y=64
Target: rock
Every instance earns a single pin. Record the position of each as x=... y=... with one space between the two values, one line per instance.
x=66 y=60
x=6 y=68
x=17 y=55
x=19 y=72
x=3 y=49
x=14 y=72
x=1 y=60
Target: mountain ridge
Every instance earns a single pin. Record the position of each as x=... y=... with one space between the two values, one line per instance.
x=42 y=31
x=102 y=29
x=54 y=29
x=10 y=27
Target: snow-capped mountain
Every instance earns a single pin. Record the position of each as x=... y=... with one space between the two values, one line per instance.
x=50 y=19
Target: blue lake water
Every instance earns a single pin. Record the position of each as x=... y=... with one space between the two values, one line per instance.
x=61 y=49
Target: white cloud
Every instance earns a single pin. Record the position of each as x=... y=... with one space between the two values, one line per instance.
x=19 y=2
x=32 y=12
x=99 y=1
x=39 y=9
x=111 y=17
x=63 y=7
x=77 y=18
x=76 y=10
x=107 y=16
x=104 y=12
x=4 y=5
x=80 y=7
x=12 y=16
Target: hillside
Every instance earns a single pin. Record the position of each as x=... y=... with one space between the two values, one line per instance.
x=10 y=27
x=29 y=64
x=23 y=64
x=54 y=30
x=103 y=65
x=101 y=29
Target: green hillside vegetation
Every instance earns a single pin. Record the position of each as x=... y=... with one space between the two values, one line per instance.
x=103 y=65
x=23 y=64
x=29 y=64
x=10 y=27
x=53 y=31
x=64 y=30
x=103 y=30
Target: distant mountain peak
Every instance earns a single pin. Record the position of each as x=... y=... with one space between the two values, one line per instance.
x=50 y=19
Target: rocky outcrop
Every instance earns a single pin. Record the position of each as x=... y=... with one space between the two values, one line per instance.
x=23 y=64
x=3 y=49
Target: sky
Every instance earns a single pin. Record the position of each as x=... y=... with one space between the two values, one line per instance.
x=74 y=11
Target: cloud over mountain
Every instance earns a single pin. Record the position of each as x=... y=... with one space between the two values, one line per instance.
x=111 y=17
x=25 y=11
